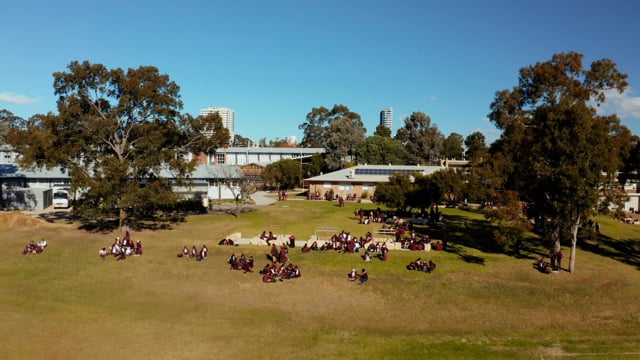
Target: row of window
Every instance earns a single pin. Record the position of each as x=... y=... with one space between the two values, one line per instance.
x=382 y=171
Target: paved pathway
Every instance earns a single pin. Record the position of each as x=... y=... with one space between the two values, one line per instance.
x=261 y=198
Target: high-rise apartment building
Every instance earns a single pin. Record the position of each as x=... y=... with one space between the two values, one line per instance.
x=386 y=118
x=227 y=115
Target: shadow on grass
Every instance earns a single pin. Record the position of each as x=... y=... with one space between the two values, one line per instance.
x=626 y=250
x=464 y=232
x=107 y=225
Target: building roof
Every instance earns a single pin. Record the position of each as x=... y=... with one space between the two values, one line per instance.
x=214 y=171
x=218 y=171
x=271 y=150
x=13 y=171
x=371 y=173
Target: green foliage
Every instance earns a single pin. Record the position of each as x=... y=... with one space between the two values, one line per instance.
x=283 y=174
x=314 y=166
x=450 y=183
x=556 y=144
x=510 y=220
x=422 y=139
x=394 y=193
x=422 y=193
x=476 y=146
x=240 y=141
x=115 y=131
x=452 y=146
x=338 y=130
x=382 y=130
x=381 y=150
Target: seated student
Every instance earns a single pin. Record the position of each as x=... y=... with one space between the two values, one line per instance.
x=268 y=277
x=364 y=276
x=232 y=261
x=314 y=245
x=296 y=272
x=353 y=275
x=286 y=272
x=305 y=248
x=123 y=254
x=194 y=252
x=42 y=244
x=138 y=248
x=432 y=266
x=115 y=249
x=366 y=256
x=263 y=236
x=266 y=269
x=103 y=253
x=247 y=265
x=384 y=256
x=543 y=266
x=204 y=252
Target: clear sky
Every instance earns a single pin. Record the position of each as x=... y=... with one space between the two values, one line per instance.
x=273 y=61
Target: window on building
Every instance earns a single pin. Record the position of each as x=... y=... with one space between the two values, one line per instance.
x=220 y=158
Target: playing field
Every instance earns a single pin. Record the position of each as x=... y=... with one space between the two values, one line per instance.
x=66 y=303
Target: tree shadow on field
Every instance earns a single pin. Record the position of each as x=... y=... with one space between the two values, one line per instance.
x=626 y=250
x=463 y=232
x=107 y=225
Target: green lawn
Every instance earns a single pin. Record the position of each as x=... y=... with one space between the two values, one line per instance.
x=66 y=303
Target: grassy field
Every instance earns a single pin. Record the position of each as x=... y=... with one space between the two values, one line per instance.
x=66 y=303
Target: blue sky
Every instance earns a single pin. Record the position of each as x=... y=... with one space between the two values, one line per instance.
x=273 y=61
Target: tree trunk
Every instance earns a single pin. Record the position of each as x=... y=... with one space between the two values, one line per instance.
x=574 y=240
x=123 y=218
x=237 y=205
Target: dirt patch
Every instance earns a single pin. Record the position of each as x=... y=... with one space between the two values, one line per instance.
x=18 y=219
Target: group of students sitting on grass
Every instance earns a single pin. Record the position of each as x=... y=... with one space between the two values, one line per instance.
x=240 y=263
x=420 y=265
x=194 y=253
x=342 y=242
x=279 y=271
x=121 y=249
x=555 y=264
x=363 y=276
x=227 y=242
x=382 y=253
x=421 y=243
x=267 y=237
x=279 y=255
x=34 y=247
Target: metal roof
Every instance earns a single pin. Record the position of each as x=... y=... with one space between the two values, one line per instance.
x=218 y=171
x=12 y=171
x=371 y=173
x=271 y=150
